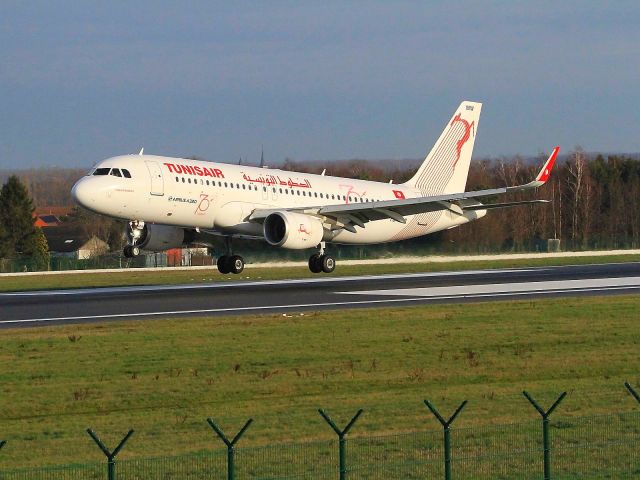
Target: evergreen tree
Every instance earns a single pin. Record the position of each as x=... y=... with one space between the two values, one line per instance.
x=39 y=248
x=16 y=219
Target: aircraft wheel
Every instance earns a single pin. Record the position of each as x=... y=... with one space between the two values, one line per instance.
x=328 y=263
x=135 y=251
x=224 y=265
x=314 y=263
x=127 y=251
x=236 y=264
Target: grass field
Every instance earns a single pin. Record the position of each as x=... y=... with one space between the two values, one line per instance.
x=163 y=277
x=164 y=377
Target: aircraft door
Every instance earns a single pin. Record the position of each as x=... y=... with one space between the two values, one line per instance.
x=157 y=182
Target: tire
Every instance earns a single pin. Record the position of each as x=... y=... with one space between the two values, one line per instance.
x=224 y=266
x=236 y=264
x=127 y=252
x=314 y=263
x=328 y=263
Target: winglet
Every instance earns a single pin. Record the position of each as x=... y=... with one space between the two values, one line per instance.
x=543 y=176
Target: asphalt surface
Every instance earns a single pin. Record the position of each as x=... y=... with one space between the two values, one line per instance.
x=320 y=293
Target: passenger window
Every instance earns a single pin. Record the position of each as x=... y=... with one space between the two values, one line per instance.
x=298 y=192
x=102 y=171
x=126 y=173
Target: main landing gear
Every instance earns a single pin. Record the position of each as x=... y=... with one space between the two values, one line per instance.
x=321 y=262
x=230 y=263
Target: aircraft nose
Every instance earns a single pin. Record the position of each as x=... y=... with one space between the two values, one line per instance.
x=82 y=193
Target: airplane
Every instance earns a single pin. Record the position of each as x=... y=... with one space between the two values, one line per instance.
x=173 y=202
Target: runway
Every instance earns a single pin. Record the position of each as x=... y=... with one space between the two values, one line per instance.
x=319 y=293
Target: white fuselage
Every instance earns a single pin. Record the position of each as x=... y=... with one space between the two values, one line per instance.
x=221 y=197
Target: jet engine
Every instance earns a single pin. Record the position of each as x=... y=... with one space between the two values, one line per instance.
x=157 y=238
x=295 y=231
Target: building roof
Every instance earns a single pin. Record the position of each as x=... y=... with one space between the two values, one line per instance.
x=67 y=238
x=46 y=221
x=58 y=211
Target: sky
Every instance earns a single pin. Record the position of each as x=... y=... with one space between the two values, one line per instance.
x=83 y=81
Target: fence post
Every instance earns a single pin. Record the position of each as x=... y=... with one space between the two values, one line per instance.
x=633 y=393
x=546 y=441
x=231 y=467
x=111 y=456
x=342 y=442
x=446 y=424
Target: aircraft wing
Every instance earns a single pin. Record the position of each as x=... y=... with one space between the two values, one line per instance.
x=348 y=215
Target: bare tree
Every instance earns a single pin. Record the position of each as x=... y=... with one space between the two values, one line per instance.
x=576 y=170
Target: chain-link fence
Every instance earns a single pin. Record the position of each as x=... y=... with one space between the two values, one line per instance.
x=606 y=446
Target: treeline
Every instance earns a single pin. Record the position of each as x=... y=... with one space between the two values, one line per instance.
x=48 y=186
x=594 y=202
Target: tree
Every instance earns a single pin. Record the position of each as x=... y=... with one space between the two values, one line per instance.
x=39 y=250
x=16 y=219
x=579 y=192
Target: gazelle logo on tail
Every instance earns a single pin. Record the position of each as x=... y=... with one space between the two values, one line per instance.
x=465 y=137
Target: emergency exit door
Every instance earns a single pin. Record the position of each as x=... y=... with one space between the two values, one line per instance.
x=157 y=182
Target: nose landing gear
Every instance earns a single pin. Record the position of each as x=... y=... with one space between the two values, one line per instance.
x=135 y=232
x=321 y=262
x=131 y=251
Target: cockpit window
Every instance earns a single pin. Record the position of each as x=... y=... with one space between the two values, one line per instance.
x=116 y=172
x=102 y=171
x=126 y=173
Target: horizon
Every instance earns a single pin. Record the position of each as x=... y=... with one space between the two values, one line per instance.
x=412 y=162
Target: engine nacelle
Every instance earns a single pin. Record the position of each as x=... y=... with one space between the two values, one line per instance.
x=157 y=238
x=295 y=231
